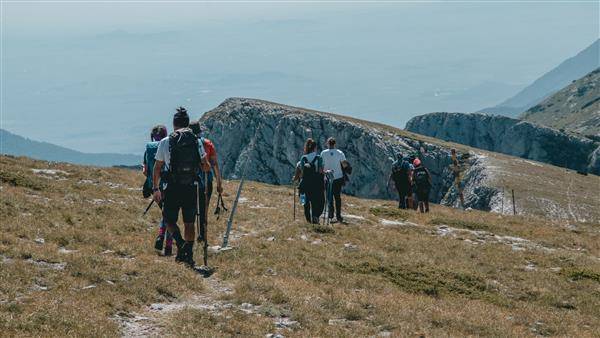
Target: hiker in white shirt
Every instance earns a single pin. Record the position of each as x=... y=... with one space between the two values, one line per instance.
x=333 y=161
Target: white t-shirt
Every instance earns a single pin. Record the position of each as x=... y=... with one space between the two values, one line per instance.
x=163 y=153
x=332 y=159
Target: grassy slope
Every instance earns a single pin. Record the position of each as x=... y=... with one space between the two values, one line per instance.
x=574 y=108
x=408 y=278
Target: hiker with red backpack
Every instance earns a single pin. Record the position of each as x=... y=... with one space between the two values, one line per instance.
x=309 y=172
x=422 y=184
x=158 y=133
x=181 y=154
x=206 y=175
x=212 y=170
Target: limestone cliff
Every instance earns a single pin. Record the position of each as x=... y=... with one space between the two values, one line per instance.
x=268 y=138
x=510 y=136
x=271 y=136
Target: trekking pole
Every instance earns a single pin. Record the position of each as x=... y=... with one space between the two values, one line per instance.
x=513 y=200
x=326 y=216
x=198 y=220
x=330 y=196
x=220 y=206
x=148 y=207
x=205 y=233
x=502 y=204
x=294 y=201
x=233 y=208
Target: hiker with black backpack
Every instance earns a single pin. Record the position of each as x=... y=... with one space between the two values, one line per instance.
x=183 y=158
x=334 y=162
x=309 y=171
x=158 y=133
x=402 y=177
x=422 y=184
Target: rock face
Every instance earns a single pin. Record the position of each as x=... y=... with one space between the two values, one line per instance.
x=512 y=137
x=265 y=139
x=269 y=137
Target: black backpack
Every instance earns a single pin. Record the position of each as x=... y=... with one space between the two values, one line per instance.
x=421 y=178
x=184 y=165
x=311 y=177
x=400 y=172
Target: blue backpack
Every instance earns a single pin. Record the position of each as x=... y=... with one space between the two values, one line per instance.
x=149 y=154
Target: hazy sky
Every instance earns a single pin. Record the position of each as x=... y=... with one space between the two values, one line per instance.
x=110 y=70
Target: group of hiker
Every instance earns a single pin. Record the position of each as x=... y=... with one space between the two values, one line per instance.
x=179 y=169
x=320 y=178
x=412 y=181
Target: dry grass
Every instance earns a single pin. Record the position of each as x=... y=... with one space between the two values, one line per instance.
x=406 y=276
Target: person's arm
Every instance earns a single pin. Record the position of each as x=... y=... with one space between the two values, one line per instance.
x=158 y=165
x=297 y=173
x=343 y=161
x=429 y=177
x=215 y=165
x=144 y=166
x=321 y=166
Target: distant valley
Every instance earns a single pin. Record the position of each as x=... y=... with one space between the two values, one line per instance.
x=551 y=82
x=12 y=144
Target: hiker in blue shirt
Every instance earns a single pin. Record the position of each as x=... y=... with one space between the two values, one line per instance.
x=158 y=133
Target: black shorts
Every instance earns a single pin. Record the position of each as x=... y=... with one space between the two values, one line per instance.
x=176 y=197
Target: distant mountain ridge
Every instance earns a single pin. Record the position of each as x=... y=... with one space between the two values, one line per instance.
x=12 y=144
x=569 y=70
x=575 y=108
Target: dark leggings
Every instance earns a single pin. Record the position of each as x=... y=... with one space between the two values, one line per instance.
x=313 y=207
x=403 y=192
x=337 y=191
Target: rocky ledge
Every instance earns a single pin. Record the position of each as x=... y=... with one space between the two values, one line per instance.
x=513 y=137
x=268 y=137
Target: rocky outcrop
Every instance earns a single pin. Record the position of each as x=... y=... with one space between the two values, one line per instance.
x=512 y=137
x=268 y=138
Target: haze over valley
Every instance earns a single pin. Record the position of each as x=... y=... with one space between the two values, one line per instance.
x=96 y=77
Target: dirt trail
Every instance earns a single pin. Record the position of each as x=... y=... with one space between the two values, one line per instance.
x=150 y=321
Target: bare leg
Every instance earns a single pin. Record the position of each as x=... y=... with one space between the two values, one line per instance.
x=189 y=232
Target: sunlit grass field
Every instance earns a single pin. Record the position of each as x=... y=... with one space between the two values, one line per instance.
x=76 y=258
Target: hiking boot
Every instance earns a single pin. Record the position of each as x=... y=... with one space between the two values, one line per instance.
x=168 y=250
x=189 y=255
x=181 y=255
x=158 y=243
x=315 y=220
x=190 y=262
